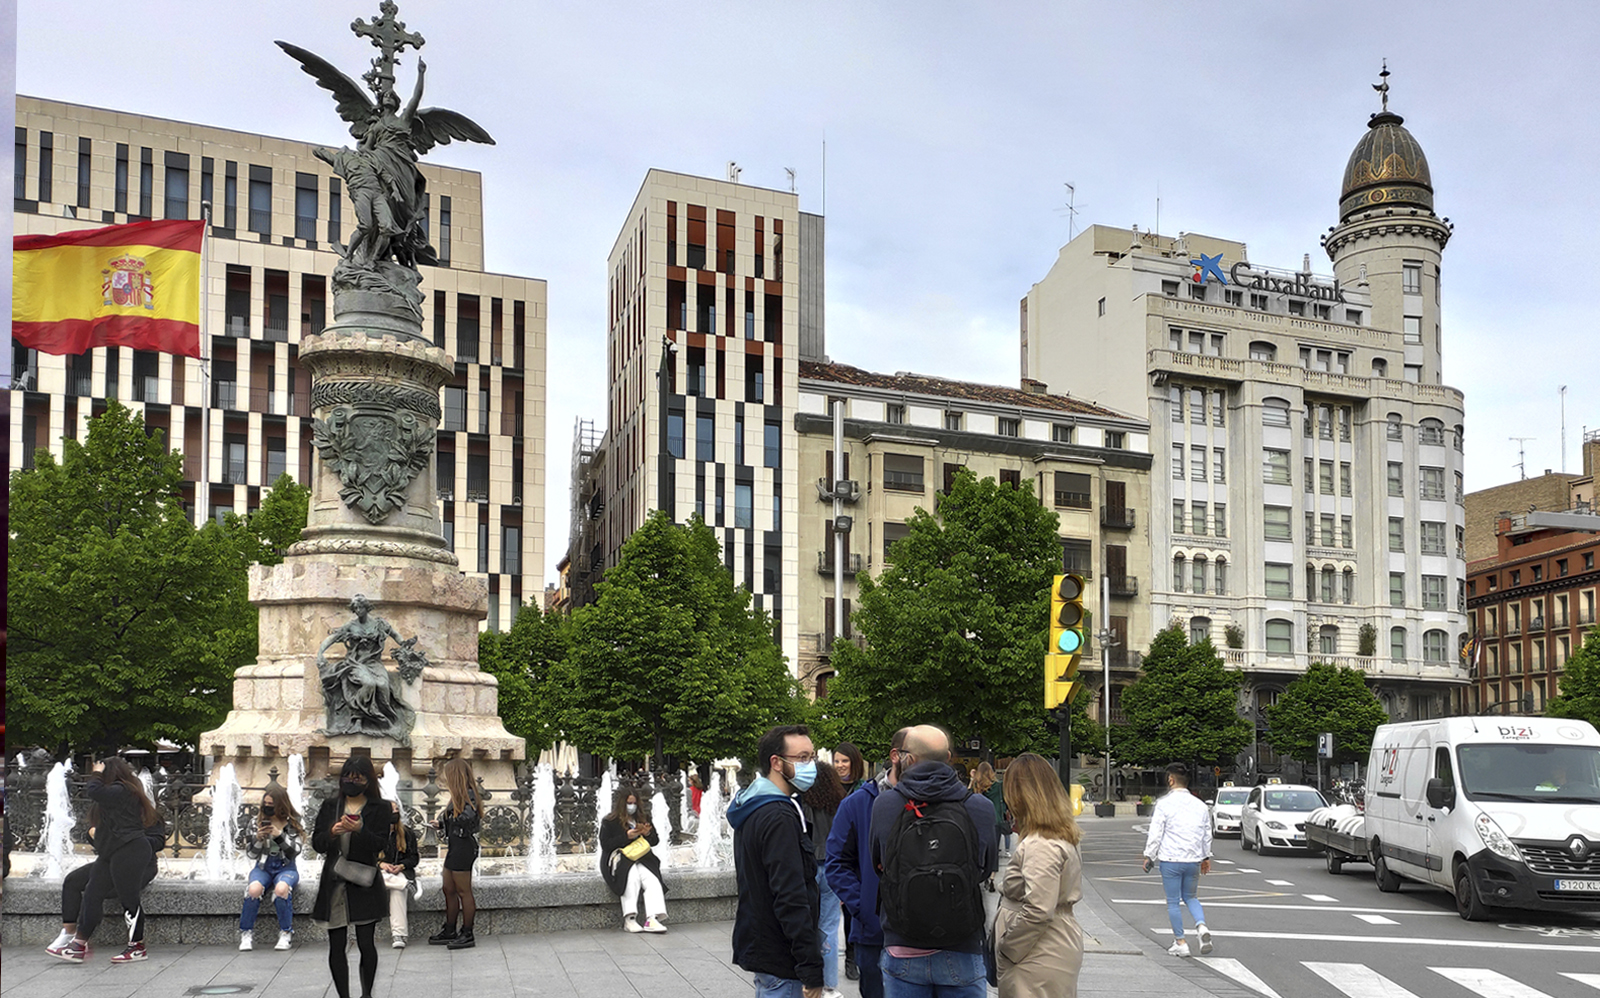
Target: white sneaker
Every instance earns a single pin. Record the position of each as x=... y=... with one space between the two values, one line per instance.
x=285 y=940
x=653 y=925
x=1205 y=938
x=832 y=993
x=1179 y=948
x=631 y=924
x=247 y=941
x=399 y=942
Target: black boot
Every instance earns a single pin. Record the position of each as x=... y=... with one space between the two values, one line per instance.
x=851 y=971
x=463 y=940
x=443 y=937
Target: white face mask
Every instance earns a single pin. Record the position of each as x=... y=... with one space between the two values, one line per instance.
x=633 y=809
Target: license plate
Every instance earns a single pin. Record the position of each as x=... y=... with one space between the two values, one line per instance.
x=1588 y=886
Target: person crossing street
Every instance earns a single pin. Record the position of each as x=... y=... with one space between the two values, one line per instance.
x=1180 y=842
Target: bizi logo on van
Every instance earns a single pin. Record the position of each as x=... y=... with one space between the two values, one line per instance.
x=1515 y=733
x=1389 y=763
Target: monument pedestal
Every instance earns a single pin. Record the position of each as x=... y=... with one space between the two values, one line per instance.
x=373 y=530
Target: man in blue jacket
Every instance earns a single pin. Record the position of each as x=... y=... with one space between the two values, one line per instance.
x=911 y=969
x=852 y=875
x=775 y=933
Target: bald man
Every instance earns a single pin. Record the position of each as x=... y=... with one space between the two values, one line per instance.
x=959 y=837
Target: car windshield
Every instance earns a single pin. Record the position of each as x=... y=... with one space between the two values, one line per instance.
x=1557 y=773
x=1231 y=797
x=1292 y=800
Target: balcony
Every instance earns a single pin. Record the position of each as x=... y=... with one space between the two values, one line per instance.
x=1074 y=500
x=1376 y=667
x=1536 y=625
x=1513 y=629
x=852 y=563
x=1116 y=517
x=1123 y=585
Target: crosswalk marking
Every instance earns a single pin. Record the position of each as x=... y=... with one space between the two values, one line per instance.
x=1488 y=983
x=1320 y=897
x=1376 y=920
x=1215 y=902
x=1357 y=980
x=1331 y=937
x=1281 y=883
x=1239 y=972
x=1224 y=862
x=1593 y=980
x=1244 y=870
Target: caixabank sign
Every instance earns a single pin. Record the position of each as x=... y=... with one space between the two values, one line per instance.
x=1240 y=276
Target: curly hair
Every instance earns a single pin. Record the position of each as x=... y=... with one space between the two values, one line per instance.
x=825 y=794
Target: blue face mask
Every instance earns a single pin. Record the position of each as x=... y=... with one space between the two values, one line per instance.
x=805 y=774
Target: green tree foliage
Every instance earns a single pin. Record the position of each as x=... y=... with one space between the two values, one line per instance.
x=1326 y=698
x=126 y=622
x=278 y=521
x=1580 y=684
x=671 y=657
x=1183 y=708
x=523 y=660
x=956 y=625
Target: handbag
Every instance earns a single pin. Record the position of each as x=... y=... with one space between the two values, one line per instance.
x=352 y=872
x=991 y=969
x=637 y=849
x=395 y=881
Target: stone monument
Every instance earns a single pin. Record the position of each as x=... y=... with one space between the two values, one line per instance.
x=373 y=537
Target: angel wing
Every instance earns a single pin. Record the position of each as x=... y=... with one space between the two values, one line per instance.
x=437 y=126
x=353 y=104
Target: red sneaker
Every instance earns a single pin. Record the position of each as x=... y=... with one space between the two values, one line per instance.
x=75 y=951
x=133 y=954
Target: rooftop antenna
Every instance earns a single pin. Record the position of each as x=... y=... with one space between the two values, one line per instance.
x=1383 y=88
x=1072 y=210
x=1522 y=462
x=790 y=171
x=1563 y=429
x=734 y=169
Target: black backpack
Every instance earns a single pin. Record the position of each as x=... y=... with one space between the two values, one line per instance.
x=930 y=886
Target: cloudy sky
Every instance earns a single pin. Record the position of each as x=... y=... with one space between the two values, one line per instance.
x=951 y=129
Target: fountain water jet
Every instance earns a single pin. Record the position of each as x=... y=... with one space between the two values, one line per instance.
x=56 y=838
x=602 y=805
x=542 y=822
x=708 y=837
x=658 y=806
x=222 y=849
x=297 y=782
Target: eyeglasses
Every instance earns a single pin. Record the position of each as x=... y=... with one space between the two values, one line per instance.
x=807 y=757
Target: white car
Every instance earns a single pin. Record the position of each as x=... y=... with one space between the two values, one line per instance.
x=1274 y=816
x=1227 y=810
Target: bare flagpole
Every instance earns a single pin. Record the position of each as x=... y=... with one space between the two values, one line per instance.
x=202 y=490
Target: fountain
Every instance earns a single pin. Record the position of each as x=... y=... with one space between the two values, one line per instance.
x=297 y=782
x=147 y=783
x=662 y=813
x=389 y=782
x=56 y=839
x=541 y=822
x=222 y=850
x=602 y=804
x=709 y=835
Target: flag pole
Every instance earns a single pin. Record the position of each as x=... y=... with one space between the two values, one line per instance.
x=202 y=491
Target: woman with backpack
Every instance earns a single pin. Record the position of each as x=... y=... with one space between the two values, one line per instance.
x=1038 y=946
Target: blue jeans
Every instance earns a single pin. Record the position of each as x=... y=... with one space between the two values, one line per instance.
x=1181 y=881
x=828 y=929
x=768 y=986
x=945 y=974
x=867 y=959
x=275 y=872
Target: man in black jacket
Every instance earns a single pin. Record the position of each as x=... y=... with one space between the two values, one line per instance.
x=775 y=925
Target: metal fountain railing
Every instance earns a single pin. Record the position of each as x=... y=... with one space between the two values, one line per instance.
x=504 y=829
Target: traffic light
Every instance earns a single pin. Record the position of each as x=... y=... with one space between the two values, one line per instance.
x=1067 y=639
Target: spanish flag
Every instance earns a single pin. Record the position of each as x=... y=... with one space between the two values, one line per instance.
x=135 y=285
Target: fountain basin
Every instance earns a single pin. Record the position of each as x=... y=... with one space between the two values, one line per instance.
x=207 y=912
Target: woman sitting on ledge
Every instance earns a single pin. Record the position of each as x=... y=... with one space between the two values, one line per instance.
x=627 y=875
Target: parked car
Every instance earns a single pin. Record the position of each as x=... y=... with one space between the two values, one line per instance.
x=1274 y=816
x=1226 y=810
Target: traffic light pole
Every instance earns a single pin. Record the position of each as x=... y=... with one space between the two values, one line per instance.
x=1065 y=768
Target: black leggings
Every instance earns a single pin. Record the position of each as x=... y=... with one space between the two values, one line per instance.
x=123 y=871
x=339 y=964
x=83 y=884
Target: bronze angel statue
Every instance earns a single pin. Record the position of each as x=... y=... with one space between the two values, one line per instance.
x=387 y=191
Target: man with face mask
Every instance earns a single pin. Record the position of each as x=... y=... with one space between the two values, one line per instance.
x=775 y=933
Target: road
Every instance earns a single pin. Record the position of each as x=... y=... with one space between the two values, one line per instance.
x=1286 y=928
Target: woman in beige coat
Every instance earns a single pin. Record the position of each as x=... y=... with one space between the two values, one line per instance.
x=1038 y=945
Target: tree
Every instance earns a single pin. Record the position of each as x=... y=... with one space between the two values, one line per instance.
x=1326 y=698
x=523 y=659
x=277 y=522
x=126 y=622
x=956 y=625
x=1580 y=684
x=1184 y=707
x=671 y=657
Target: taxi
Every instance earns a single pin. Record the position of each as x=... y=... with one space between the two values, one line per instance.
x=1274 y=816
x=1227 y=810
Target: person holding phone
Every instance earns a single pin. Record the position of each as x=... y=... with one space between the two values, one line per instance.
x=274 y=844
x=351 y=832
x=399 y=866
x=630 y=877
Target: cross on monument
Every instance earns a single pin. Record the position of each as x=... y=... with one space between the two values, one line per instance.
x=1382 y=88
x=390 y=37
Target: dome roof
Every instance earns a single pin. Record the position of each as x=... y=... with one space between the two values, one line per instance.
x=1386 y=168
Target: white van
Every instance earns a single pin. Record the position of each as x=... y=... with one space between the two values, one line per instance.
x=1500 y=811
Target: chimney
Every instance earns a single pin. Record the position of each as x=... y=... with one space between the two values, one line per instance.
x=1032 y=387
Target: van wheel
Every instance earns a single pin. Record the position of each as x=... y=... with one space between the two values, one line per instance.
x=1244 y=841
x=1388 y=882
x=1335 y=864
x=1468 y=905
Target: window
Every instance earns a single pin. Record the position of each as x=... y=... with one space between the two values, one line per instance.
x=1180 y=573
x=738 y=445
x=773 y=445
x=1072 y=490
x=674 y=433
x=1433 y=646
x=444 y=226
x=511 y=550
x=335 y=212
x=1233 y=297
x=1219 y=406
x=902 y=473
x=1280 y=637
x=696 y=372
x=146 y=376
x=1219 y=465
x=261 y=200
x=1430 y=431
x=1380 y=367
x=175 y=200
x=1394 y=426
x=1327 y=530
x=1411 y=277
x=1297 y=307
x=1561 y=569
x=1280 y=581
x=894 y=413
x=1397 y=479
x=1433 y=483
x=1325 y=422
x=1010 y=427
x=1397 y=589
x=1397 y=644
x=1344 y=478
x=1075 y=556
x=120 y=180
x=1432 y=537
x=1275 y=467
x=744 y=514
x=1197 y=463
x=705 y=437
x=1169 y=288
x=1222 y=577
x=1199 y=629
x=1413 y=329
x=1433 y=592
x=1260 y=350
x=1308 y=476
x=1177 y=461
x=1177 y=516
x=1328 y=640
x=1115 y=440
x=1349 y=586
x=1061 y=433
x=755 y=380
x=1274 y=412
x=1011 y=477
x=1275 y=523
x=85 y=151
x=1397 y=533
x=1198 y=518
x=1325 y=477
x=1197 y=406
x=893 y=532
x=952 y=420
x=1175 y=402
x=1219 y=519
x=1258 y=302
x=147 y=182
x=1414 y=373
x=1197 y=291
x=305 y=206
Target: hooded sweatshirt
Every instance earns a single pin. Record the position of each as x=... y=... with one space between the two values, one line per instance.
x=775 y=866
x=850 y=871
x=932 y=782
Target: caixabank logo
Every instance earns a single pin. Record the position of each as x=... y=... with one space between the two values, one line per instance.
x=1208 y=267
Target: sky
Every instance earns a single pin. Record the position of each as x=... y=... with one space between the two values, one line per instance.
x=951 y=130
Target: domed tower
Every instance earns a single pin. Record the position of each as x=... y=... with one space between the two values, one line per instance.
x=1389 y=237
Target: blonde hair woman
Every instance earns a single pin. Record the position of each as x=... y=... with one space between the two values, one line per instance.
x=458 y=837
x=1038 y=945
